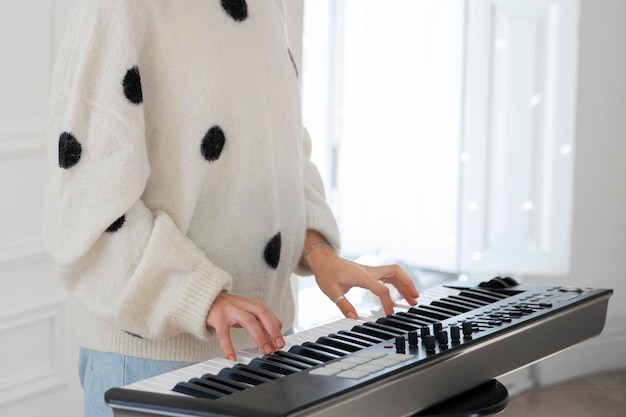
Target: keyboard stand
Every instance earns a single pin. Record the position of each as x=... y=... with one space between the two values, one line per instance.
x=487 y=399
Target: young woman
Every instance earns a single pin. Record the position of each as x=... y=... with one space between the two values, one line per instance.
x=181 y=195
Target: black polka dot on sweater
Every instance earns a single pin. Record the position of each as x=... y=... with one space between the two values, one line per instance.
x=70 y=150
x=272 y=251
x=237 y=9
x=293 y=61
x=117 y=225
x=213 y=144
x=132 y=86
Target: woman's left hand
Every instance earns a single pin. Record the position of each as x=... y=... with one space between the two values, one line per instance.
x=335 y=276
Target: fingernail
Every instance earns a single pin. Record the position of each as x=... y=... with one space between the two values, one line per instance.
x=280 y=343
x=267 y=349
x=351 y=315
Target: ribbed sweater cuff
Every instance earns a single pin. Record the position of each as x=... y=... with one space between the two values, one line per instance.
x=196 y=298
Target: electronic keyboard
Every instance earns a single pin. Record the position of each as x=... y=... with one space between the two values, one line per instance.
x=459 y=336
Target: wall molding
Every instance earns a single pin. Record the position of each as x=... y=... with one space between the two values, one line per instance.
x=38 y=352
x=45 y=372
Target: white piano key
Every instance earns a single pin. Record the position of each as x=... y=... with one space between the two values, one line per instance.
x=165 y=382
x=157 y=385
x=296 y=340
x=162 y=384
x=227 y=363
x=246 y=355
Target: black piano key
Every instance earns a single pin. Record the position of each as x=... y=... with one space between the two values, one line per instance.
x=381 y=334
x=414 y=318
x=428 y=313
x=370 y=339
x=390 y=321
x=197 y=391
x=339 y=344
x=258 y=371
x=279 y=368
x=426 y=320
x=471 y=293
x=390 y=329
x=326 y=348
x=242 y=376
x=298 y=358
x=351 y=339
x=225 y=389
x=225 y=381
x=451 y=306
x=442 y=310
x=313 y=353
x=284 y=361
x=469 y=301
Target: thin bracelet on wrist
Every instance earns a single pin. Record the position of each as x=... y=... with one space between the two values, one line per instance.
x=313 y=246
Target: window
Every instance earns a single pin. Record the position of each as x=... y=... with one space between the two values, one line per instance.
x=392 y=117
x=444 y=130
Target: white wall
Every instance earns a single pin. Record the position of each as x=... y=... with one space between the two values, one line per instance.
x=599 y=222
x=38 y=353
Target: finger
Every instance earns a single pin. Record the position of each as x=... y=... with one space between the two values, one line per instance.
x=223 y=336
x=394 y=275
x=346 y=307
x=385 y=298
x=271 y=326
x=381 y=290
x=408 y=292
x=403 y=283
x=257 y=332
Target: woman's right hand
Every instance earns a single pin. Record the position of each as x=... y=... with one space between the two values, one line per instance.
x=229 y=310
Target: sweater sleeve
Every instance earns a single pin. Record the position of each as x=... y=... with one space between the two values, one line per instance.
x=319 y=216
x=126 y=263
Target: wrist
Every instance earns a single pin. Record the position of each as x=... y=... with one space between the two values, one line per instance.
x=316 y=253
x=312 y=247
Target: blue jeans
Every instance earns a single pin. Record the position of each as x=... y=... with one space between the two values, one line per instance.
x=99 y=371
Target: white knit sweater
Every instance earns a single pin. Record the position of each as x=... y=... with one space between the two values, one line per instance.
x=178 y=168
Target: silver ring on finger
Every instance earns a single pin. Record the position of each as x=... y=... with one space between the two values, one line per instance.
x=341 y=297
